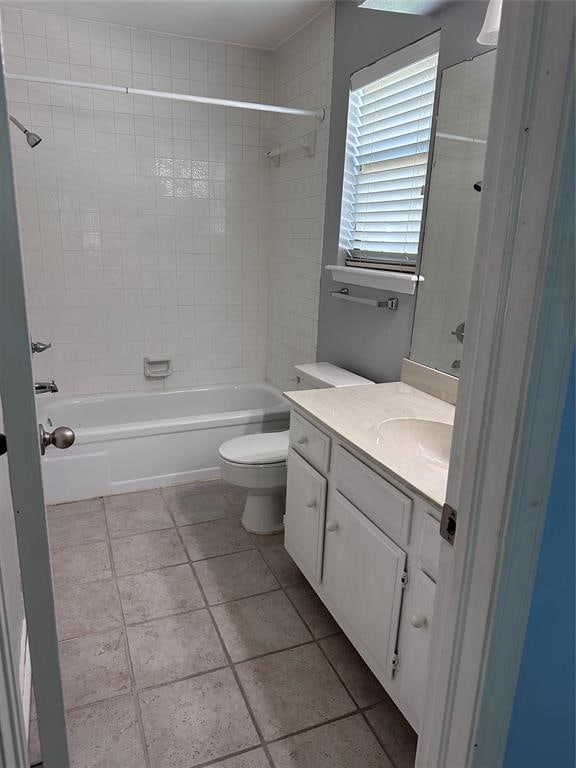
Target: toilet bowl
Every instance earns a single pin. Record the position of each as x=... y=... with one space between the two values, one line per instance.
x=257 y=463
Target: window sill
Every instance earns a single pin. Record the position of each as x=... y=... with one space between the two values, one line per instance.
x=384 y=280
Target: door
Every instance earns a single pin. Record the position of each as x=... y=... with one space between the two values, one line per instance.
x=304 y=521
x=21 y=431
x=415 y=642
x=363 y=579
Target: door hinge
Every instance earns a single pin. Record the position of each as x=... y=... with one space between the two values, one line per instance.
x=395 y=661
x=448 y=523
x=404 y=580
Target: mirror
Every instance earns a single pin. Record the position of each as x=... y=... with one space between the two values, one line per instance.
x=452 y=213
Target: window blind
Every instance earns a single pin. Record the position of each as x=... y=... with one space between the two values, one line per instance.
x=389 y=127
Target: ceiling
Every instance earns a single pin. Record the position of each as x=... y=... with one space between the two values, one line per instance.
x=260 y=23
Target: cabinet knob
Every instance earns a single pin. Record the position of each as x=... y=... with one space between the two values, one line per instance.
x=332 y=526
x=418 y=620
x=311 y=503
x=302 y=440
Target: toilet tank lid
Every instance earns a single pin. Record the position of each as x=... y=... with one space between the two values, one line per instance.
x=328 y=375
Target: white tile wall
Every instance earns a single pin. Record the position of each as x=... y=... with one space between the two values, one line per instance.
x=158 y=228
x=144 y=222
x=302 y=78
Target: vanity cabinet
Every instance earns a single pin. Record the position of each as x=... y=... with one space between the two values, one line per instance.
x=305 y=512
x=370 y=549
x=363 y=579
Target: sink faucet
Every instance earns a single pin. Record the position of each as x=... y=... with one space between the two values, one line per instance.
x=44 y=387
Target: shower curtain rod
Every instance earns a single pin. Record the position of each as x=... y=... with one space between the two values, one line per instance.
x=317 y=113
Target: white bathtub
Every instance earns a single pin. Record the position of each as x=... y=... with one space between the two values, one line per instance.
x=134 y=441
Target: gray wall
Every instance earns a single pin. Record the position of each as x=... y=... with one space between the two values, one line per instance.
x=370 y=341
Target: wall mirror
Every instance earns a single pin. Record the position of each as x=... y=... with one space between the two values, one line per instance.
x=452 y=215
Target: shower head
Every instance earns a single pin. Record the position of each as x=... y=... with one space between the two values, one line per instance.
x=32 y=138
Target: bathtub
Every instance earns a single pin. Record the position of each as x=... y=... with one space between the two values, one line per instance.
x=138 y=440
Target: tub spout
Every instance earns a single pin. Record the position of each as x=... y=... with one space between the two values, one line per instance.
x=44 y=387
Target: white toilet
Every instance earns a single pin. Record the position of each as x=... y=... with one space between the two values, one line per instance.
x=257 y=463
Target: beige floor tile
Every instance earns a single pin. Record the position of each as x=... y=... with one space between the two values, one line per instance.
x=94 y=667
x=83 y=609
x=268 y=540
x=395 y=733
x=77 y=565
x=358 y=679
x=75 y=507
x=209 y=707
x=256 y=758
x=174 y=647
x=131 y=513
x=195 y=504
x=74 y=529
x=313 y=611
x=236 y=498
x=292 y=690
x=106 y=735
x=233 y=576
x=154 y=594
x=258 y=625
x=282 y=565
x=147 y=552
x=220 y=537
x=346 y=743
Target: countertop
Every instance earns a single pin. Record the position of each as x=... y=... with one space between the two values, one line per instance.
x=356 y=413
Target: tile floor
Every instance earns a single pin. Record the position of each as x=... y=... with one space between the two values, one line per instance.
x=186 y=642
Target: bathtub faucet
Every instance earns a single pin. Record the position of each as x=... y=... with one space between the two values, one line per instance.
x=44 y=387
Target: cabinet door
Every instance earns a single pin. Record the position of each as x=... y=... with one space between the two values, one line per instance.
x=362 y=577
x=305 y=510
x=415 y=641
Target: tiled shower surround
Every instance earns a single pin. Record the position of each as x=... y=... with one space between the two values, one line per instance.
x=158 y=228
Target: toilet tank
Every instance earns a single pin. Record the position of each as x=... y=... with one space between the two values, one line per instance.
x=323 y=375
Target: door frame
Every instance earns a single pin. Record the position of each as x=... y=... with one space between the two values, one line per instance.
x=511 y=397
x=21 y=427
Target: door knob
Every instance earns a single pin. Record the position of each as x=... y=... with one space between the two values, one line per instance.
x=61 y=437
x=332 y=526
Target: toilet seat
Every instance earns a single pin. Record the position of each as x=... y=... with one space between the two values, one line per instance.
x=266 y=448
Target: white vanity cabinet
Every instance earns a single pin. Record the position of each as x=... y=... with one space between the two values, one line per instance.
x=369 y=548
x=363 y=577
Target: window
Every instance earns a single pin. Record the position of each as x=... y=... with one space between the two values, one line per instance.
x=389 y=125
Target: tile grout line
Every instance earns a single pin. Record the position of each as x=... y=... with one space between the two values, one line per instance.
x=230 y=664
x=133 y=691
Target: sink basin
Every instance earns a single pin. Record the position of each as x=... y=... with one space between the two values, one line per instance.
x=419 y=439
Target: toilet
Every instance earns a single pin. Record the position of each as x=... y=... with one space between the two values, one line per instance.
x=257 y=463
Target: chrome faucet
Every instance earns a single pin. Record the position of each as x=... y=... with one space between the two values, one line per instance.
x=40 y=346
x=44 y=387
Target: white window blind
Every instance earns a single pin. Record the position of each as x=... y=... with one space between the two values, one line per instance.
x=389 y=127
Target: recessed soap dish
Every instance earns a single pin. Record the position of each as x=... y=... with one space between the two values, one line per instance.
x=157 y=367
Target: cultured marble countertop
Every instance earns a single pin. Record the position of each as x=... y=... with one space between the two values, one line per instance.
x=356 y=413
